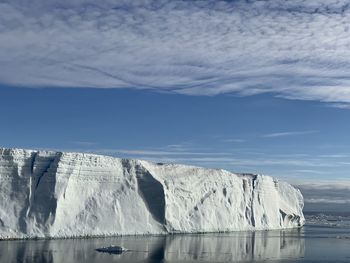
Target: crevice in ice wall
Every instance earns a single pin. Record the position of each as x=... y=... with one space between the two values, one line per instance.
x=152 y=193
x=45 y=201
x=283 y=215
x=33 y=157
x=42 y=201
x=24 y=182
x=251 y=203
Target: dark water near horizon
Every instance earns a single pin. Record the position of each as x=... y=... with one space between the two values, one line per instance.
x=325 y=238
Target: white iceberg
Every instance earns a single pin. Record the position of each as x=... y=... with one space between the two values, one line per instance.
x=57 y=194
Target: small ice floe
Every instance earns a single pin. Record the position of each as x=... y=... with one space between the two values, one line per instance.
x=112 y=249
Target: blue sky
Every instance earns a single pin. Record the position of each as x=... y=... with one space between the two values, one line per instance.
x=248 y=86
x=286 y=138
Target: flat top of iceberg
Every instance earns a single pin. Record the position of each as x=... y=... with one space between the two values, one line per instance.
x=88 y=155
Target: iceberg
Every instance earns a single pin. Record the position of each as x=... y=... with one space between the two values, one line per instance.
x=48 y=194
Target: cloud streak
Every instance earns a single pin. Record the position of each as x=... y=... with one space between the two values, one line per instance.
x=292 y=49
x=293 y=164
x=286 y=134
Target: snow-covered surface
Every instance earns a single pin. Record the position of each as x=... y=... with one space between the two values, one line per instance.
x=57 y=194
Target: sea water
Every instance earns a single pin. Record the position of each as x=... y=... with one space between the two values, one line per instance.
x=324 y=238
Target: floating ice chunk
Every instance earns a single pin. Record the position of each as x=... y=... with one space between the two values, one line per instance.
x=112 y=249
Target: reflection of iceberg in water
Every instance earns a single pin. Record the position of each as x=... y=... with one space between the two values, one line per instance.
x=237 y=246
x=247 y=246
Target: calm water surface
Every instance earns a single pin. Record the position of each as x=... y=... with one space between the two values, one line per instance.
x=324 y=239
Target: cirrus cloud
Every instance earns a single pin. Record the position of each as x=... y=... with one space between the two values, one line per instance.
x=293 y=49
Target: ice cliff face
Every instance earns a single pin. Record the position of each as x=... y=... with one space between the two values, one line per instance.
x=56 y=194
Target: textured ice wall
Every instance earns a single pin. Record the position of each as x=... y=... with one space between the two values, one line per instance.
x=55 y=194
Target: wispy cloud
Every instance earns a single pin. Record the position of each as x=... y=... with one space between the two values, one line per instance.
x=181 y=147
x=309 y=171
x=292 y=49
x=284 y=134
x=297 y=164
x=340 y=156
x=145 y=152
x=344 y=106
x=234 y=140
